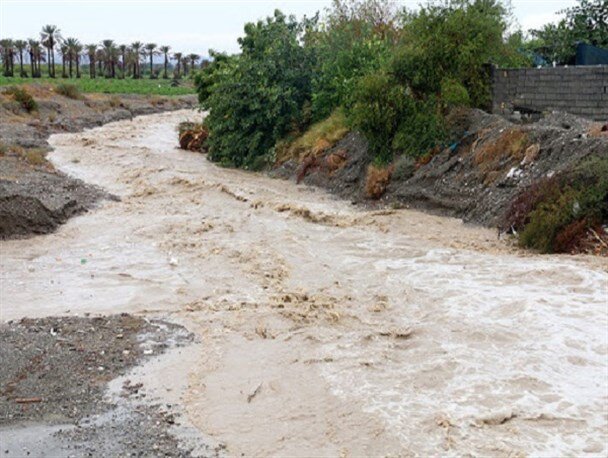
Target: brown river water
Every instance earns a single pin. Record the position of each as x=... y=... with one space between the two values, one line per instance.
x=323 y=329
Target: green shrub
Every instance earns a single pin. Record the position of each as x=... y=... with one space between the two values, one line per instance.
x=548 y=218
x=404 y=168
x=552 y=212
x=256 y=99
x=70 y=91
x=454 y=94
x=420 y=132
x=23 y=97
x=379 y=106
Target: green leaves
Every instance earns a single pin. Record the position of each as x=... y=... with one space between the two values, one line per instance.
x=256 y=98
x=586 y=22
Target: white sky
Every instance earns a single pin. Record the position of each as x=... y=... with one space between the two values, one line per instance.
x=186 y=25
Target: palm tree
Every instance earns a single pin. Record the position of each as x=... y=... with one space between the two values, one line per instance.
x=20 y=46
x=35 y=56
x=50 y=36
x=7 y=56
x=65 y=54
x=77 y=52
x=109 y=53
x=151 y=48
x=165 y=50
x=73 y=47
x=91 y=51
x=136 y=48
x=178 y=57
x=123 y=55
x=99 y=58
x=194 y=58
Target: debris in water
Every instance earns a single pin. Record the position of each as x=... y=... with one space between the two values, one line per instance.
x=27 y=400
x=255 y=393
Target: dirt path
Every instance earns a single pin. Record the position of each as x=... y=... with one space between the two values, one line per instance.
x=324 y=329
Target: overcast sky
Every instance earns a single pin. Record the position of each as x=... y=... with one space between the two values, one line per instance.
x=186 y=25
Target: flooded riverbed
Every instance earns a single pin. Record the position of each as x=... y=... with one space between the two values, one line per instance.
x=324 y=329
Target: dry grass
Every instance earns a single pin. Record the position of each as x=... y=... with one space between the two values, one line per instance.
x=510 y=145
x=317 y=139
x=33 y=156
x=377 y=180
x=335 y=161
x=115 y=101
x=156 y=100
x=598 y=130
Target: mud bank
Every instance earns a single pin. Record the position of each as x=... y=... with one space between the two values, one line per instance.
x=324 y=329
x=477 y=177
x=54 y=398
x=35 y=198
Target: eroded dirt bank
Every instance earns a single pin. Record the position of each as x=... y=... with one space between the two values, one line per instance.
x=322 y=329
x=34 y=197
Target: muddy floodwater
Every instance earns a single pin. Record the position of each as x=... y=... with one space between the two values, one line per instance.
x=322 y=329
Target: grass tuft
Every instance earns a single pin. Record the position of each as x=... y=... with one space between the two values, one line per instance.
x=318 y=138
x=70 y=91
x=23 y=97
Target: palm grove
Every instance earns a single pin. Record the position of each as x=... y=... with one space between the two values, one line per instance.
x=36 y=58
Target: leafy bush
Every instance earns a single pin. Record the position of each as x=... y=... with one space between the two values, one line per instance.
x=24 y=98
x=70 y=91
x=379 y=106
x=357 y=40
x=422 y=131
x=454 y=40
x=454 y=94
x=258 y=97
x=403 y=168
x=555 y=213
x=395 y=74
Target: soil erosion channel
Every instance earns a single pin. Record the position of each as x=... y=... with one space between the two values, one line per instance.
x=321 y=328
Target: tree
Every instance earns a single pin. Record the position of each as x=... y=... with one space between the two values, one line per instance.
x=194 y=58
x=7 y=56
x=73 y=54
x=165 y=51
x=258 y=97
x=20 y=46
x=65 y=55
x=357 y=39
x=151 y=49
x=77 y=52
x=136 y=49
x=586 y=22
x=110 y=56
x=50 y=36
x=123 y=54
x=178 y=57
x=35 y=56
x=91 y=53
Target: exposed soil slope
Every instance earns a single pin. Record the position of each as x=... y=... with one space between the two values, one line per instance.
x=476 y=178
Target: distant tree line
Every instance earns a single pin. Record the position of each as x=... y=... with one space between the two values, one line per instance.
x=106 y=59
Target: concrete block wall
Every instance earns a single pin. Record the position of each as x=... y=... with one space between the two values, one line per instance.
x=581 y=91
